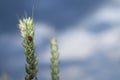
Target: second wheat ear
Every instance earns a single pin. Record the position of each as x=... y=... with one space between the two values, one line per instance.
x=54 y=60
x=26 y=26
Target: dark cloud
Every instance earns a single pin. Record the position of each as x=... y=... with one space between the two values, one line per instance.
x=62 y=13
x=9 y=11
x=59 y=13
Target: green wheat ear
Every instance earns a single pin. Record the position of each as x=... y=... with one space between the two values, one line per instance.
x=26 y=26
x=54 y=59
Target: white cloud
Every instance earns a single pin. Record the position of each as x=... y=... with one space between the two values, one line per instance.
x=71 y=73
x=109 y=38
x=78 y=43
x=108 y=14
x=44 y=58
x=42 y=31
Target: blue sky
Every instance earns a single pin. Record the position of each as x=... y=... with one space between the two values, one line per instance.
x=87 y=31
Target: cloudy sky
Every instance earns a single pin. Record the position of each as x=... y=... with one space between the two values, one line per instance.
x=87 y=32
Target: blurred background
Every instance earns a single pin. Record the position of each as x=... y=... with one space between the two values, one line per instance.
x=87 y=32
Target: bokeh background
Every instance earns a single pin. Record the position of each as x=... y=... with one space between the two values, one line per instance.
x=87 y=32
